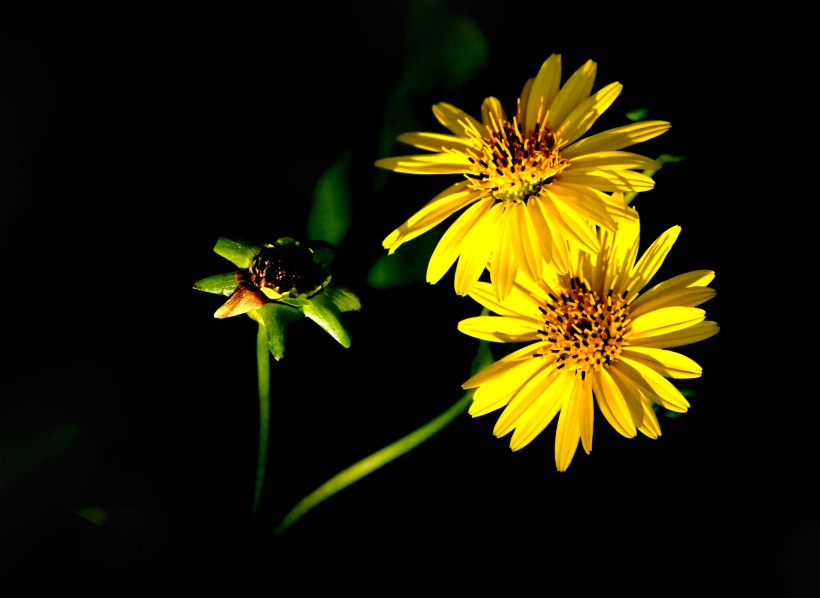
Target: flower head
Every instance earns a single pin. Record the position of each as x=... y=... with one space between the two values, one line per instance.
x=278 y=283
x=530 y=182
x=591 y=338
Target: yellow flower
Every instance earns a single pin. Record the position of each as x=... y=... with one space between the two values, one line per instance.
x=591 y=338
x=530 y=182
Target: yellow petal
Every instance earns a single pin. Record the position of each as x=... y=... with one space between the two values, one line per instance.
x=533 y=408
x=658 y=389
x=487 y=399
x=521 y=407
x=615 y=160
x=568 y=432
x=581 y=119
x=615 y=139
x=500 y=370
x=438 y=209
x=476 y=249
x=507 y=329
x=684 y=336
x=574 y=91
x=437 y=142
x=664 y=321
x=504 y=266
x=652 y=259
x=612 y=404
x=448 y=247
x=649 y=425
x=538 y=96
x=684 y=297
x=492 y=114
x=668 y=363
x=608 y=180
x=586 y=412
x=459 y=122
x=450 y=163
x=527 y=246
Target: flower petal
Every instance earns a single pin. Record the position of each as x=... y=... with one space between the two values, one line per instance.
x=581 y=119
x=576 y=89
x=612 y=403
x=533 y=407
x=475 y=250
x=438 y=209
x=678 y=338
x=459 y=122
x=509 y=329
x=658 y=389
x=541 y=93
x=449 y=246
x=652 y=259
x=617 y=138
x=665 y=320
x=668 y=363
x=436 y=142
x=449 y=163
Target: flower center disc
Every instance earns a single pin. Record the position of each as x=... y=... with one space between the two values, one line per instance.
x=585 y=329
x=512 y=166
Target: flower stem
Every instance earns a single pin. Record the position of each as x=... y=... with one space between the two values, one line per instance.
x=263 y=377
x=369 y=464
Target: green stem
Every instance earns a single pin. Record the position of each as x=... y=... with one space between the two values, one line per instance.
x=369 y=464
x=263 y=376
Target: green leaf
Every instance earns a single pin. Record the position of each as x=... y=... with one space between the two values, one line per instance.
x=220 y=284
x=342 y=297
x=238 y=253
x=330 y=213
x=276 y=317
x=324 y=312
x=407 y=265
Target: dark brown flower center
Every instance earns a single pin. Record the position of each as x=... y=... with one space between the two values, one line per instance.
x=585 y=329
x=286 y=268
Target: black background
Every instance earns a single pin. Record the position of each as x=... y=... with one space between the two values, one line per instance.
x=130 y=142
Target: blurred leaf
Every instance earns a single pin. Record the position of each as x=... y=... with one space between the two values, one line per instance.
x=220 y=284
x=236 y=252
x=407 y=265
x=447 y=48
x=96 y=515
x=638 y=114
x=21 y=457
x=330 y=213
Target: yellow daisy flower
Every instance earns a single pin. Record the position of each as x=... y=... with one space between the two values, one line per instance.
x=590 y=334
x=530 y=182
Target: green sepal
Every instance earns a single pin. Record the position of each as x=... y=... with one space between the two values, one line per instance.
x=238 y=253
x=220 y=284
x=322 y=310
x=276 y=317
x=342 y=297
